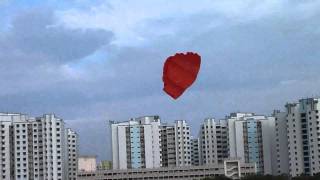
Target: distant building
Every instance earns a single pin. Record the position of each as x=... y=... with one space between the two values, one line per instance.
x=299 y=128
x=73 y=154
x=182 y=142
x=136 y=143
x=105 y=165
x=252 y=139
x=168 y=146
x=281 y=143
x=33 y=148
x=195 y=151
x=87 y=163
x=213 y=137
x=234 y=169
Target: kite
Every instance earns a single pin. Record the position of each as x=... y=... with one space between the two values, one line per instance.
x=179 y=72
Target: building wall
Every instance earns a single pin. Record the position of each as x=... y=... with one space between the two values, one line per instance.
x=21 y=151
x=235 y=130
x=239 y=142
x=253 y=143
x=73 y=154
x=213 y=141
x=87 y=163
x=5 y=146
x=183 y=146
x=251 y=138
x=123 y=147
x=296 y=166
x=232 y=168
x=156 y=143
x=37 y=147
x=171 y=144
x=282 y=159
x=168 y=147
x=303 y=131
x=297 y=142
x=195 y=151
x=55 y=154
x=136 y=143
x=135 y=148
x=269 y=145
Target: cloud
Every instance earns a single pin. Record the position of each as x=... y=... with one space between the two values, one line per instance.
x=36 y=32
x=35 y=52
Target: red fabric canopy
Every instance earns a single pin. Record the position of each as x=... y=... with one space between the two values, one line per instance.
x=179 y=72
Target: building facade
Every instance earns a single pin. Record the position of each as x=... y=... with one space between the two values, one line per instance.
x=87 y=163
x=252 y=139
x=233 y=169
x=168 y=146
x=213 y=136
x=136 y=143
x=182 y=142
x=302 y=124
x=282 y=159
x=195 y=151
x=33 y=148
x=72 y=153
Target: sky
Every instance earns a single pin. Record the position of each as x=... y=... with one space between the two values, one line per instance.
x=94 y=61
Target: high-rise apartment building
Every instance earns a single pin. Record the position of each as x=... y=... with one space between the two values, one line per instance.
x=168 y=146
x=301 y=124
x=213 y=137
x=5 y=155
x=7 y=165
x=146 y=143
x=183 y=145
x=252 y=139
x=33 y=148
x=136 y=143
x=73 y=154
x=195 y=151
x=282 y=159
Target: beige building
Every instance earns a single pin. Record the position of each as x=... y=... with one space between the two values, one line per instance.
x=234 y=169
x=87 y=163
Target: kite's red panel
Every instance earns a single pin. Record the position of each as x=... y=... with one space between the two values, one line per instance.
x=179 y=72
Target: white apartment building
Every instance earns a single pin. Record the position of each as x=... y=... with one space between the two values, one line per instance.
x=168 y=146
x=252 y=139
x=136 y=143
x=7 y=149
x=213 y=137
x=195 y=151
x=183 y=144
x=303 y=138
x=33 y=148
x=281 y=143
x=5 y=157
x=73 y=154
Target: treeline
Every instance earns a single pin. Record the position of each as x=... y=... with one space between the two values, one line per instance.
x=269 y=177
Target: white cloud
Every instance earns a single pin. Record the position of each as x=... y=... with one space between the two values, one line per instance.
x=126 y=18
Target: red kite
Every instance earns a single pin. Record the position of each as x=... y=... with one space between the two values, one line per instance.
x=179 y=72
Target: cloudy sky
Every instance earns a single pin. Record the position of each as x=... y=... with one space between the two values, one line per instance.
x=93 y=61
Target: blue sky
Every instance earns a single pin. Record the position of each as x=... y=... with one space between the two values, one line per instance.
x=93 y=61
